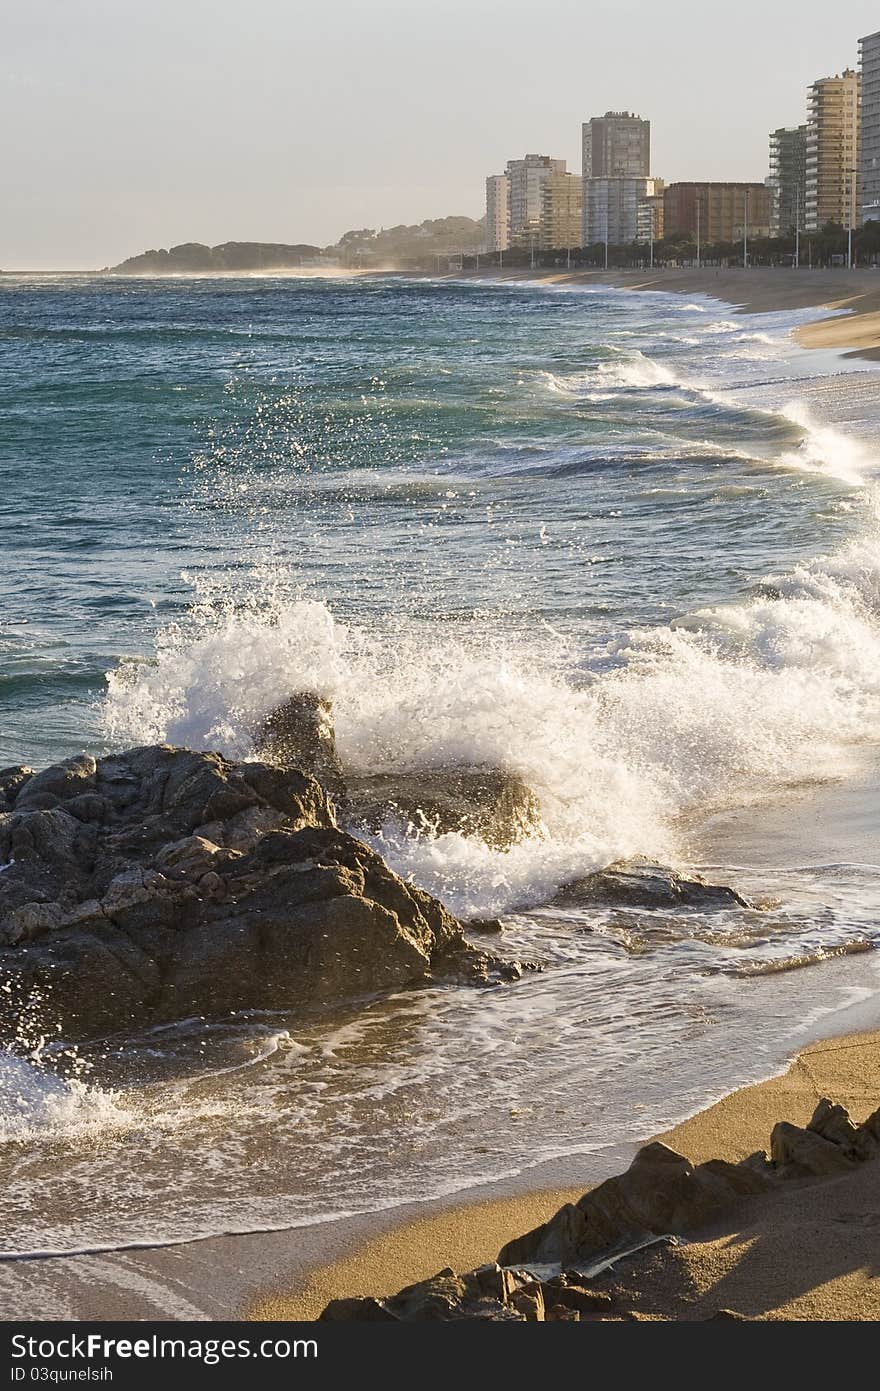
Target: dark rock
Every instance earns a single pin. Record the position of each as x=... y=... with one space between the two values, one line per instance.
x=493 y=1282
x=487 y=1293
x=360 y=1310
x=12 y=780
x=561 y=1313
x=300 y=734
x=528 y=1301
x=834 y=1123
x=799 y=1153
x=661 y=1192
x=186 y=884
x=641 y=884
x=870 y=1128
x=491 y=803
x=68 y=779
x=576 y=1296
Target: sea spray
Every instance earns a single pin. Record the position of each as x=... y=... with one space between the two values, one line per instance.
x=721 y=707
x=376 y=491
x=36 y=1101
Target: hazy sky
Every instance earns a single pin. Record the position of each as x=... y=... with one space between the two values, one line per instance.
x=128 y=126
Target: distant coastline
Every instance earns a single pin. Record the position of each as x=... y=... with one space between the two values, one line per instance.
x=852 y=295
x=405 y=246
x=195 y=258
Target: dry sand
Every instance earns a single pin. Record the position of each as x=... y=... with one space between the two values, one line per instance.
x=809 y=1252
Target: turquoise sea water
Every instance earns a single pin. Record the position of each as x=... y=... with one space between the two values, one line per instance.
x=624 y=543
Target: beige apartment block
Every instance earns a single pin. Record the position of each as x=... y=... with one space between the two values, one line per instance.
x=527 y=179
x=832 y=160
x=561 y=214
x=497 y=212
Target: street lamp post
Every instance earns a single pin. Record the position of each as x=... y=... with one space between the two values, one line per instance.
x=746 y=234
x=852 y=216
x=698 y=234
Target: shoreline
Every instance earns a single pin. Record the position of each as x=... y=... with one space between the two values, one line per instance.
x=845 y=1068
x=851 y=298
x=244 y=1275
x=466 y=1233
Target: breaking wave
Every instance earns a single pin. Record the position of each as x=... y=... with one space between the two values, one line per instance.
x=627 y=369
x=34 y=1101
x=624 y=747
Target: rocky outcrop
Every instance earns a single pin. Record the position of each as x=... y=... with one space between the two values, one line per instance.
x=489 y=1292
x=642 y=884
x=562 y=1269
x=160 y=883
x=492 y=803
x=299 y=734
x=661 y=1193
x=831 y=1143
x=196 y=258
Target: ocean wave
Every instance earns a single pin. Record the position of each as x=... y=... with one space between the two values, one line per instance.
x=720 y=707
x=34 y=1101
x=629 y=369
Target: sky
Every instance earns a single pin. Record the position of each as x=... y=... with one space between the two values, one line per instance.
x=131 y=126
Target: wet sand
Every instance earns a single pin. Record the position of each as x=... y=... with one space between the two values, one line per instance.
x=808 y=1252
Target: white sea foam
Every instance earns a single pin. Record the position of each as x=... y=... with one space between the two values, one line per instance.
x=718 y=708
x=826 y=449
x=629 y=368
x=35 y=1102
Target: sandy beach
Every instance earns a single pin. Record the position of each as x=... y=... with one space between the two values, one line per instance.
x=790 y=1255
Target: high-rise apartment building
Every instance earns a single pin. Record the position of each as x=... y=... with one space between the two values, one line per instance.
x=527 y=179
x=869 y=65
x=497 y=212
x=561 y=212
x=616 y=145
x=616 y=210
x=651 y=214
x=718 y=212
x=832 y=159
x=788 y=178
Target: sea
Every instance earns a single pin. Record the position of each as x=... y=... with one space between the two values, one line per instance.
x=625 y=544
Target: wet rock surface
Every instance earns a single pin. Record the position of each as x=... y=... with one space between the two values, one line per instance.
x=491 y=803
x=643 y=884
x=300 y=734
x=160 y=883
